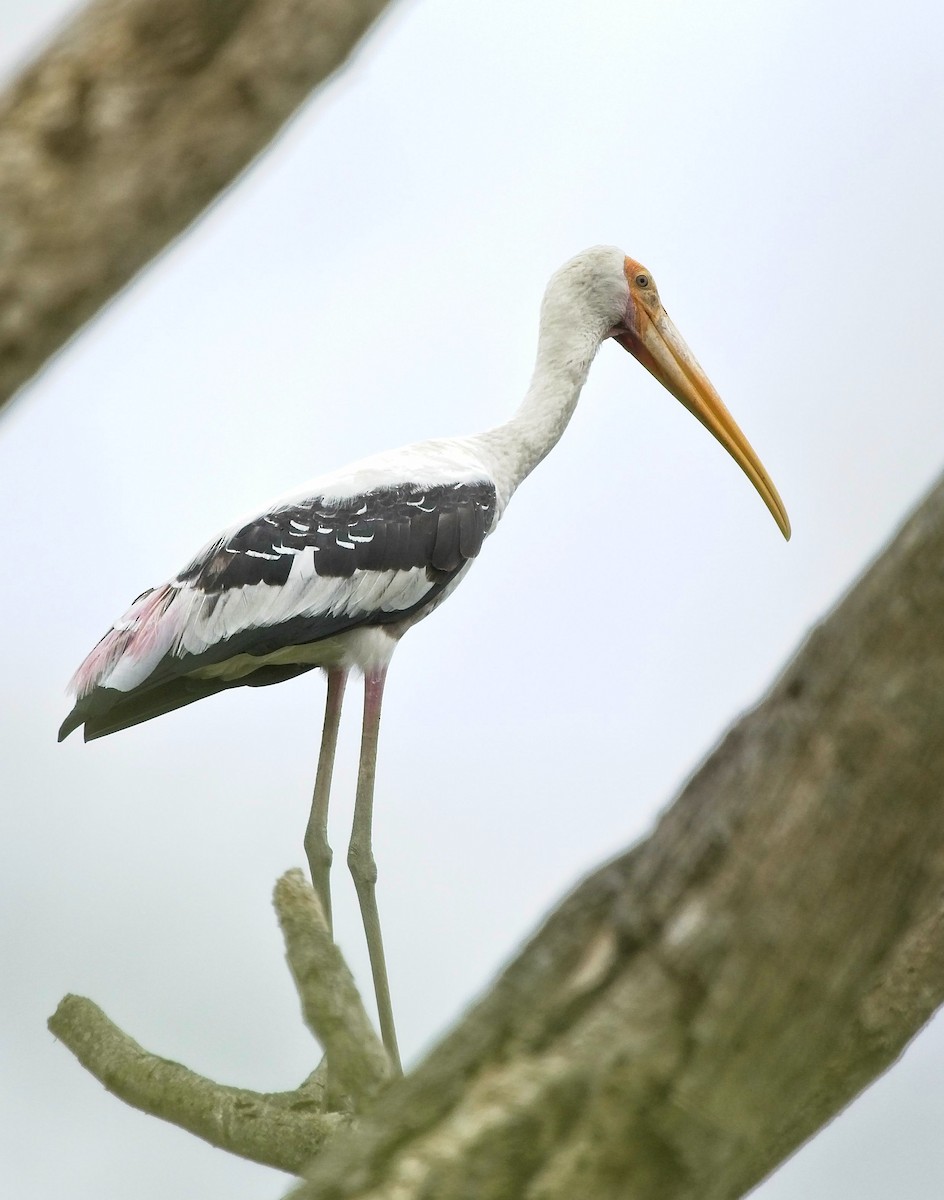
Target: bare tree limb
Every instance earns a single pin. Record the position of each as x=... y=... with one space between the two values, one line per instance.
x=279 y=1129
x=331 y=1003
x=699 y=1007
x=282 y=1129
x=125 y=129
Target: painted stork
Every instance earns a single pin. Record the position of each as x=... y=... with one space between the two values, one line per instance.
x=334 y=574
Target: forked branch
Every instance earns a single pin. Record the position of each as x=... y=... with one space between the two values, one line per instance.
x=281 y=1129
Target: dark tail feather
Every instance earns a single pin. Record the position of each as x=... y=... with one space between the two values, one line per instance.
x=106 y=710
x=72 y=722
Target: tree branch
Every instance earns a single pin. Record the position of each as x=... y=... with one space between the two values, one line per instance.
x=125 y=129
x=695 y=1009
x=699 y=1007
x=279 y=1129
x=331 y=1003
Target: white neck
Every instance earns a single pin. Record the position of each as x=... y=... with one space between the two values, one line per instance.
x=565 y=353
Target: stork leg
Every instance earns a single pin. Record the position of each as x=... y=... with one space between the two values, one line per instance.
x=316 y=835
x=360 y=859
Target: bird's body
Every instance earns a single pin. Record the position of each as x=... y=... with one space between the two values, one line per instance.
x=331 y=575
x=334 y=574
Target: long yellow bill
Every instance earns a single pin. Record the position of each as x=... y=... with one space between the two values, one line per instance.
x=659 y=346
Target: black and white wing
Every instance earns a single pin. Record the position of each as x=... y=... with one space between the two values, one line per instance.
x=303 y=572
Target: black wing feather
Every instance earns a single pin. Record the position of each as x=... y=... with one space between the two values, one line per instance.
x=386 y=529
x=446 y=555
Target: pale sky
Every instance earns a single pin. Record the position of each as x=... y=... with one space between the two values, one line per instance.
x=375 y=280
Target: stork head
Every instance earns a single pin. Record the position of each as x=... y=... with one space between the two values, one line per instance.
x=619 y=299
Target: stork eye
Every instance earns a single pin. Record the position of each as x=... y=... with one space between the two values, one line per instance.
x=642 y=281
